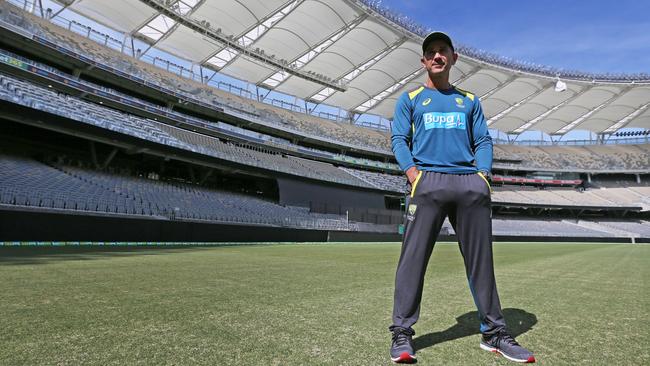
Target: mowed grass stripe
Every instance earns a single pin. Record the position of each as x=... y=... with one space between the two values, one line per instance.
x=592 y=302
x=313 y=304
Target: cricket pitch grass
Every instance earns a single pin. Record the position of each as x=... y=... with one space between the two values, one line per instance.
x=313 y=304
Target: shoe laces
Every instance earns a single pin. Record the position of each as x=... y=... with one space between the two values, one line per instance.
x=504 y=337
x=402 y=336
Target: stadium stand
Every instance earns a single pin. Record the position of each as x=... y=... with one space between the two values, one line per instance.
x=526 y=194
x=636 y=228
x=219 y=126
x=536 y=227
x=387 y=182
x=571 y=158
x=308 y=125
x=33 y=96
x=26 y=182
x=34 y=184
x=37 y=97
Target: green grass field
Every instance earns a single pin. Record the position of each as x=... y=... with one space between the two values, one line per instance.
x=313 y=304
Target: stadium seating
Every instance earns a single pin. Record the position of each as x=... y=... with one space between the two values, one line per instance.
x=528 y=194
x=387 y=182
x=308 y=125
x=218 y=126
x=37 y=97
x=572 y=158
x=33 y=96
x=26 y=182
x=533 y=227
x=636 y=228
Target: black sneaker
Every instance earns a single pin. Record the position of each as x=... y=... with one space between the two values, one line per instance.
x=401 y=349
x=502 y=343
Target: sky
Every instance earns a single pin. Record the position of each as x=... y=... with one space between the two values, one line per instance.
x=595 y=36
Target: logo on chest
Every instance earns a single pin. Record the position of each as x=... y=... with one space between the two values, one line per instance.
x=444 y=120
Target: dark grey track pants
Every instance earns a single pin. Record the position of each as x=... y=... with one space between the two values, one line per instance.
x=465 y=198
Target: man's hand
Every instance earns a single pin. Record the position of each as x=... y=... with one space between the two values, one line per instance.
x=412 y=174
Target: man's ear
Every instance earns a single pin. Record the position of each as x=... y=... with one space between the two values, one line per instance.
x=455 y=58
x=423 y=62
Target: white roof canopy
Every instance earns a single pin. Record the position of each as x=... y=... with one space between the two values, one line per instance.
x=334 y=52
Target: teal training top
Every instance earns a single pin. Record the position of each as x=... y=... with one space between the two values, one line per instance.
x=441 y=130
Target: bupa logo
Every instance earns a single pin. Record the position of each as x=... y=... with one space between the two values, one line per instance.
x=426 y=101
x=444 y=120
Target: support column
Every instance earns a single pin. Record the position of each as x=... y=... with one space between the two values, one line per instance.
x=93 y=154
x=109 y=158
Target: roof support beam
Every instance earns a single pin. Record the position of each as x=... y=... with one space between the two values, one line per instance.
x=181 y=7
x=365 y=106
x=469 y=74
x=498 y=87
x=66 y=4
x=299 y=62
x=236 y=46
x=620 y=124
x=582 y=118
x=543 y=115
x=223 y=58
x=325 y=93
x=501 y=114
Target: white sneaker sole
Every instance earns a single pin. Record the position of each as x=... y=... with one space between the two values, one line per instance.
x=531 y=359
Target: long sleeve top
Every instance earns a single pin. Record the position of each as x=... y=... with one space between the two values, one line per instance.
x=441 y=130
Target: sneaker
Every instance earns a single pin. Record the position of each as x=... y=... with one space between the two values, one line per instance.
x=503 y=344
x=401 y=349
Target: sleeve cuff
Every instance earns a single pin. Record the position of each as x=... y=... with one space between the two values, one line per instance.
x=408 y=167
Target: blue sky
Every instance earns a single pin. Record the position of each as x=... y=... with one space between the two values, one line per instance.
x=594 y=36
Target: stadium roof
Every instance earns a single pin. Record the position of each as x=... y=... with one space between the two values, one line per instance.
x=346 y=54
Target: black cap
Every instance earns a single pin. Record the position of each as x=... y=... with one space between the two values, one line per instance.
x=434 y=36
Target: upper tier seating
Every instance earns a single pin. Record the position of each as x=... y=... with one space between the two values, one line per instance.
x=300 y=122
x=580 y=158
x=37 y=97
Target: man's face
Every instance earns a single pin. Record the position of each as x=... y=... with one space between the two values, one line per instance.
x=438 y=58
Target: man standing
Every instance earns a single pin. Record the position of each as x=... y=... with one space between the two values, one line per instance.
x=441 y=141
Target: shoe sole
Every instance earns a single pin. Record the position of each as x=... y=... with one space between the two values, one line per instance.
x=530 y=359
x=405 y=357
